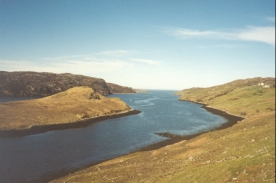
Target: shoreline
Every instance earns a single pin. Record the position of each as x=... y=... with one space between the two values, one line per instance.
x=172 y=138
x=77 y=124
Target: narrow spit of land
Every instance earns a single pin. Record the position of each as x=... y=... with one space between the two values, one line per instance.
x=76 y=107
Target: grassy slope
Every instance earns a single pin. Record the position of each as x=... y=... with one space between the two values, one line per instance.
x=241 y=97
x=70 y=106
x=242 y=153
x=247 y=101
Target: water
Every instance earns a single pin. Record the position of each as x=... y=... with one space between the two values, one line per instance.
x=10 y=99
x=32 y=157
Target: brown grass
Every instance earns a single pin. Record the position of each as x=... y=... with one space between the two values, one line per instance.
x=73 y=105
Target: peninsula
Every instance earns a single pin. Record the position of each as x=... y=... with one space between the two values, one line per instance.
x=72 y=107
x=114 y=88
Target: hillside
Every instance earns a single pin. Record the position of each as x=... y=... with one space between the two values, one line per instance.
x=241 y=97
x=41 y=84
x=75 y=104
x=114 y=88
x=244 y=152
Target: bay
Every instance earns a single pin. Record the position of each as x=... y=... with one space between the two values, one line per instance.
x=40 y=157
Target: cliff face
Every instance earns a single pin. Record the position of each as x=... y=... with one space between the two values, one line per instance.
x=35 y=84
x=114 y=88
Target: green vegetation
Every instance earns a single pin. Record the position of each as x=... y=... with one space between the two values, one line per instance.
x=241 y=97
x=246 y=101
x=243 y=153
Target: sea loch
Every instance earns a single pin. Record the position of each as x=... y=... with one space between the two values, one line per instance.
x=42 y=157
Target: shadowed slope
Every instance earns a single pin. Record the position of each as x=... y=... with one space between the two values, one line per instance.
x=114 y=88
x=42 y=84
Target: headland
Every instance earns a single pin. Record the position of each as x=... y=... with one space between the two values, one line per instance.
x=76 y=107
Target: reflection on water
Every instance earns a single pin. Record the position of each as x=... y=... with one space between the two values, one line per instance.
x=30 y=157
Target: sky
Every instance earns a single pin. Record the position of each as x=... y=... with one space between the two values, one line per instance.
x=143 y=44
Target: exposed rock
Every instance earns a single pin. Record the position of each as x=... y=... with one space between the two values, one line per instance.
x=114 y=88
x=141 y=91
x=94 y=96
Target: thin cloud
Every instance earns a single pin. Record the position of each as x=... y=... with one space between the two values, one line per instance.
x=191 y=33
x=67 y=57
x=114 y=52
x=227 y=46
x=270 y=19
x=71 y=66
x=81 y=66
x=150 y=62
x=260 y=34
x=251 y=33
x=24 y=65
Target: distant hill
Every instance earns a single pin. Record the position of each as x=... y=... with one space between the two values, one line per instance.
x=41 y=84
x=141 y=91
x=114 y=88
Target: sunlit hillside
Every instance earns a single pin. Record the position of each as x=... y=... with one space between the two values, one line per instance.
x=241 y=97
x=71 y=106
x=244 y=152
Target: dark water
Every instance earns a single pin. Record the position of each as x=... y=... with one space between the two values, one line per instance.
x=32 y=157
x=10 y=99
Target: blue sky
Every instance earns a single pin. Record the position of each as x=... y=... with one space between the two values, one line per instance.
x=145 y=44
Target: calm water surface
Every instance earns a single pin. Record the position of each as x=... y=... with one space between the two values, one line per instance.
x=32 y=157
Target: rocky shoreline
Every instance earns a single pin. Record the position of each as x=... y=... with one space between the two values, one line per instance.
x=78 y=124
x=173 y=138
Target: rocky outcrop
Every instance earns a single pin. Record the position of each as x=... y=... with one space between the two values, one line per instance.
x=114 y=88
x=41 y=84
x=140 y=91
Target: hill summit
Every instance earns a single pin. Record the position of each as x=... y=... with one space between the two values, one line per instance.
x=41 y=84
